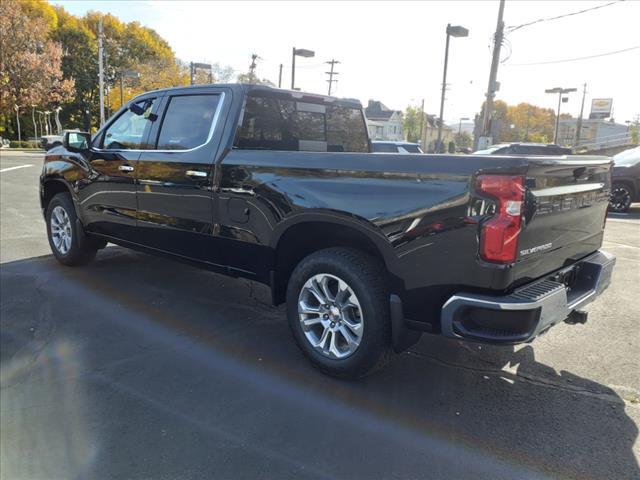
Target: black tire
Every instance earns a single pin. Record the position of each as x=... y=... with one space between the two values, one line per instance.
x=82 y=249
x=366 y=278
x=621 y=197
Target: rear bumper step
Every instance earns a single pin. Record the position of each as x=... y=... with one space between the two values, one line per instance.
x=531 y=309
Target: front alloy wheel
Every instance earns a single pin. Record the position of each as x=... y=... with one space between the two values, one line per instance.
x=620 y=198
x=61 y=233
x=330 y=316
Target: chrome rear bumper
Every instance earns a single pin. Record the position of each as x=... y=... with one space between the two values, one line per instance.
x=531 y=309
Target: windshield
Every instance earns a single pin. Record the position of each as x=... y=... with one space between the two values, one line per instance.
x=627 y=158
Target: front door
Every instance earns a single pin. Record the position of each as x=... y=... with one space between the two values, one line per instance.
x=108 y=199
x=175 y=176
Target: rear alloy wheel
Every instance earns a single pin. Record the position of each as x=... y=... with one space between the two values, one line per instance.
x=338 y=311
x=620 y=198
x=330 y=316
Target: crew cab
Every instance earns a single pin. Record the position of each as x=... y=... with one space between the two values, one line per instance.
x=368 y=251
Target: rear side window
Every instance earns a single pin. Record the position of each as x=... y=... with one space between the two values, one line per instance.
x=279 y=124
x=187 y=122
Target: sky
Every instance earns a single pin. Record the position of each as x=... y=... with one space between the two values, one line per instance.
x=393 y=51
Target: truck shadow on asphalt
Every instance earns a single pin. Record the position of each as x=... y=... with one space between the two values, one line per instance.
x=127 y=307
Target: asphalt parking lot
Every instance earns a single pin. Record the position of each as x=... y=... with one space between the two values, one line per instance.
x=139 y=368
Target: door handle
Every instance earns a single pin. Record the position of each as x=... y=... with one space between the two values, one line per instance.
x=196 y=173
x=125 y=168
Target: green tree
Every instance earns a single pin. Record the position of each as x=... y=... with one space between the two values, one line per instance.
x=463 y=140
x=411 y=123
x=522 y=123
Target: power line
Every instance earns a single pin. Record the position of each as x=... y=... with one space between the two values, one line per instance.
x=575 y=59
x=540 y=20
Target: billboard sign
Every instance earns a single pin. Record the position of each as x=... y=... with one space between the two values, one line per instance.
x=601 y=107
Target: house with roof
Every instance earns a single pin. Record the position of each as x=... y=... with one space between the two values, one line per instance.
x=382 y=122
x=430 y=133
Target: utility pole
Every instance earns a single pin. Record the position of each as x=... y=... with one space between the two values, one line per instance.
x=526 y=131
x=280 y=77
x=331 y=74
x=579 y=122
x=252 y=67
x=101 y=71
x=493 y=75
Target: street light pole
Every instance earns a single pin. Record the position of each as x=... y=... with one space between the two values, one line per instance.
x=560 y=91
x=298 y=52
x=456 y=31
x=126 y=74
x=203 y=66
x=293 y=68
x=422 y=123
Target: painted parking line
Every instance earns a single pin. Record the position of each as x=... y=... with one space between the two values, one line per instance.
x=15 y=168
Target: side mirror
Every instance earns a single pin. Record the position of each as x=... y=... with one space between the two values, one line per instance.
x=76 y=141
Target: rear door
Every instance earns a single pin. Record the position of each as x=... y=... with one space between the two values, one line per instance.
x=565 y=211
x=175 y=176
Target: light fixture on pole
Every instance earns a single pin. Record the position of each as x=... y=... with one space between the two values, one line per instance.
x=298 y=52
x=560 y=91
x=123 y=75
x=203 y=66
x=460 y=125
x=452 y=31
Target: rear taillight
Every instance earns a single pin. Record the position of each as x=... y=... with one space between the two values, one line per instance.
x=499 y=234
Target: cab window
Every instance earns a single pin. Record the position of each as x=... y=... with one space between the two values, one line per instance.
x=127 y=132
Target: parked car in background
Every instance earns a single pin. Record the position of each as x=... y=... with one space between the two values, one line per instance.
x=367 y=250
x=50 y=141
x=395 y=147
x=626 y=180
x=525 y=149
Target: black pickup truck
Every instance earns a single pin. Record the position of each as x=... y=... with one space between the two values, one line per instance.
x=368 y=251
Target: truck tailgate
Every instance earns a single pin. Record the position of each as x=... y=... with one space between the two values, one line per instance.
x=564 y=213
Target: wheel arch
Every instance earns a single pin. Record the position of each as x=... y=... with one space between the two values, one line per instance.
x=51 y=186
x=309 y=233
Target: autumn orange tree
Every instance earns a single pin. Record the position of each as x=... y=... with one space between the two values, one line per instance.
x=523 y=122
x=30 y=65
x=50 y=59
